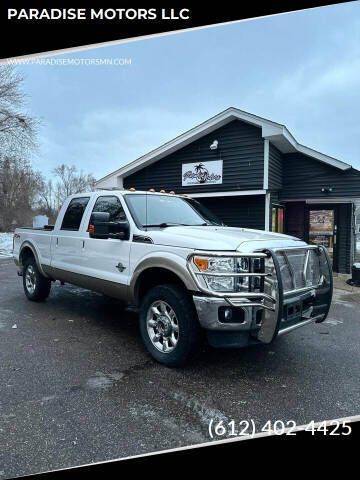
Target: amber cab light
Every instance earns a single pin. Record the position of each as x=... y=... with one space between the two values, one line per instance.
x=172 y=192
x=132 y=189
x=91 y=229
x=201 y=263
x=152 y=190
x=162 y=191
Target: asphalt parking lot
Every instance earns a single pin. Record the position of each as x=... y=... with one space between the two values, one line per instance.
x=77 y=385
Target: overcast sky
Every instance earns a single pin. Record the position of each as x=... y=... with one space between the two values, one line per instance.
x=300 y=69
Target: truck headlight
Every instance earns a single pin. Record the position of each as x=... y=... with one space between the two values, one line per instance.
x=243 y=267
x=229 y=265
x=217 y=265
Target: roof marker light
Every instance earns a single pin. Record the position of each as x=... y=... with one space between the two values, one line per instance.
x=151 y=189
x=162 y=191
x=172 y=192
x=132 y=189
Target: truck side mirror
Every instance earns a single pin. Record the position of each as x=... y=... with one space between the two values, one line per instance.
x=120 y=230
x=99 y=225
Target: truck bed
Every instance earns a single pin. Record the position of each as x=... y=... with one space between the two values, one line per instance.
x=39 y=238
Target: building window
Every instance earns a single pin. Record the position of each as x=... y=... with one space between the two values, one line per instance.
x=277 y=219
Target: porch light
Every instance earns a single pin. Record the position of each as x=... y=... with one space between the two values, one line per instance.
x=214 y=145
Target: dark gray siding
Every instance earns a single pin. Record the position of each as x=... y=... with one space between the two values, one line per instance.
x=275 y=168
x=303 y=177
x=241 y=148
x=246 y=211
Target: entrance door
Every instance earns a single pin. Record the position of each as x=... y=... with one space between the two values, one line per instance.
x=277 y=218
x=323 y=229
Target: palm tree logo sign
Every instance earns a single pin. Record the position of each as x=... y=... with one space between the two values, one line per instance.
x=202 y=173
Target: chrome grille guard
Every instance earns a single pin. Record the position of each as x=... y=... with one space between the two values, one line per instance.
x=272 y=298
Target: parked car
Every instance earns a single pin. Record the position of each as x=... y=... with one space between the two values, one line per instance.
x=189 y=274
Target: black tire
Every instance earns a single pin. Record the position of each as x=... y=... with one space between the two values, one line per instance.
x=41 y=285
x=189 y=331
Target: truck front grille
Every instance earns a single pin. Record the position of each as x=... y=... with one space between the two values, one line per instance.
x=300 y=268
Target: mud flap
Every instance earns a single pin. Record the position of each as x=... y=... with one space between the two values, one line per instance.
x=272 y=286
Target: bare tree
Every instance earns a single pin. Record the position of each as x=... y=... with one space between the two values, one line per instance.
x=17 y=128
x=19 y=186
x=47 y=201
x=71 y=181
x=68 y=180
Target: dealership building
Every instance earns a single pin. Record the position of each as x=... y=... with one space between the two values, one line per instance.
x=251 y=172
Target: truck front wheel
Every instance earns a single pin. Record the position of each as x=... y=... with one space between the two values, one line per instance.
x=36 y=286
x=169 y=326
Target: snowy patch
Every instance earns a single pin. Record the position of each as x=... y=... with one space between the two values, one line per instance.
x=333 y=321
x=104 y=380
x=6 y=245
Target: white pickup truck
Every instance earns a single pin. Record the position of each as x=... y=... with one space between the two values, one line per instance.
x=189 y=274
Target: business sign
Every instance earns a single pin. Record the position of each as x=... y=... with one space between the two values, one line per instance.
x=321 y=222
x=202 y=173
x=322 y=229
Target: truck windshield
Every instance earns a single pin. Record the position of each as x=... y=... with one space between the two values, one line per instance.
x=165 y=211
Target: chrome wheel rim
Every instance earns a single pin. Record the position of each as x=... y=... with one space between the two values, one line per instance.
x=30 y=279
x=162 y=326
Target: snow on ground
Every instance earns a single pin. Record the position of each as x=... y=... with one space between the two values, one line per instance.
x=6 y=245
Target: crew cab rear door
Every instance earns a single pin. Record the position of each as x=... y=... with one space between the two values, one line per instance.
x=67 y=236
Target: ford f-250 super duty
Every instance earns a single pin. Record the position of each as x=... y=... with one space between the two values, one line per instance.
x=189 y=274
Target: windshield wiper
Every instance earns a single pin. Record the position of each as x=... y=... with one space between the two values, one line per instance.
x=164 y=224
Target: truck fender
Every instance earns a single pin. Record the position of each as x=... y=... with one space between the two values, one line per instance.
x=173 y=263
x=27 y=244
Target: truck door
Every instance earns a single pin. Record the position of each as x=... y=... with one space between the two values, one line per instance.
x=67 y=238
x=106 y=259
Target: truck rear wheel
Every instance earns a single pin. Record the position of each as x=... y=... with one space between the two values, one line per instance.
x=169 y=326
x=36 y=286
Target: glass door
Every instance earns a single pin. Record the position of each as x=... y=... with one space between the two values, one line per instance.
x=322 y=230
x=277 y=218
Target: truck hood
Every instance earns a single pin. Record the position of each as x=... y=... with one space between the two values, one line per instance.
x=221 y=238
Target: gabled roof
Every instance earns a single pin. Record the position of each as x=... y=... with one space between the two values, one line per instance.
x=277 y=133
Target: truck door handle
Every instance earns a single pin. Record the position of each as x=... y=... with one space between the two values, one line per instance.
x=83 y=244
x=57 y=241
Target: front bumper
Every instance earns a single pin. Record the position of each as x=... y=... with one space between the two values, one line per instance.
x=269 y=314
